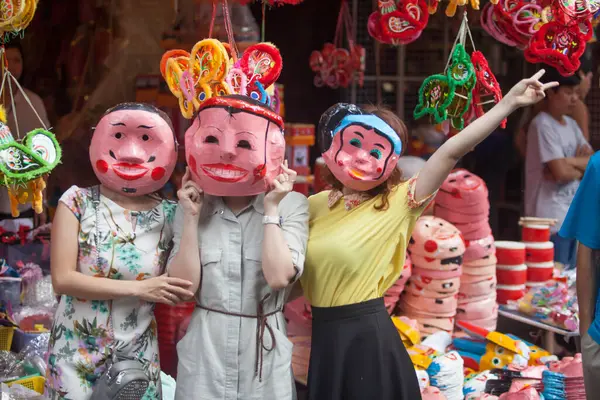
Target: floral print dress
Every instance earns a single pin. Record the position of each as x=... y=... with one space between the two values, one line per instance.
x=132 y=245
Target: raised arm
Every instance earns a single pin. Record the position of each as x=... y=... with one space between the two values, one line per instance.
x=441 y=163
x=185 y=260
x=66 y=280
x=284 y=246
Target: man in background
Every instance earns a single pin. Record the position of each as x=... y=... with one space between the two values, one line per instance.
x=556 y=158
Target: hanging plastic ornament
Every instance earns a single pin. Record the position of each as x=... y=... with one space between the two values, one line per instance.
x=559 y=45
x=214 y=69
x=398 y=23
x=487 y=90
x=23 y=163
x=336 y=66
x=15 y=16
x=448 y=95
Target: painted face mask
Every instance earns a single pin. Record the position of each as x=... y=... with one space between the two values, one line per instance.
x=133 y=150
x=235 y=147
x=360 y=149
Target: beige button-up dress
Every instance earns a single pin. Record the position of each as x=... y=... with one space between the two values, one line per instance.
x=223 y=356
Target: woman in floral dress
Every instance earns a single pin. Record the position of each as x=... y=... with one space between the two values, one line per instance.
x=109 y=247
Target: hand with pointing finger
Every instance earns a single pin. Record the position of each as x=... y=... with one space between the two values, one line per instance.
x=281 y=186
x=528 y=91
x=190 y=196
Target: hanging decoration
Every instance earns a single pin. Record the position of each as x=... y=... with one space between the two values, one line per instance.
x=550 y=32
x=273 y=2
x=15 y=16
x=336 y=66
x=398 y=23
x=487 y=92
x=461 y=93
x=215 y=69
x=25 y=161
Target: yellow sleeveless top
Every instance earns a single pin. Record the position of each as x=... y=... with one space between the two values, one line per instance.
x=356 y=255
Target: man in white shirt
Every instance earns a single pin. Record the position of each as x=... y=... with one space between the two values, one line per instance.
x=556 y=158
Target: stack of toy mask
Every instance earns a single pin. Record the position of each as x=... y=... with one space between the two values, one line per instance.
x=431 y=296
x=392 y=295
x=463 y=201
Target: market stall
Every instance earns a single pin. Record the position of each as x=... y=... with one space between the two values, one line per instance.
x=457 y=281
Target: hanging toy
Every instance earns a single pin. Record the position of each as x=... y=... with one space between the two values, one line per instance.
x=336 y=66
x=449 y=95
x=559 y=45
x=400 y=23
x=24 y=163
x=213 y=69
x=487 y=89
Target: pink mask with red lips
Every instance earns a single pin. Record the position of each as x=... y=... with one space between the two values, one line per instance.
x=360 y=149
x=235 y=147
x=464 y=186
x=133 y=149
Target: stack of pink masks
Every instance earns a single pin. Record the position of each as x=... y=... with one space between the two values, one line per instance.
x=392 y=295
x=431 y=296
x=511 y=271
x=463 y=201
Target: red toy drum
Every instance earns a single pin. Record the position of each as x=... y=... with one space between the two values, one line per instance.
x=505 y=293
x=534 y=284
x=539 y=252
x=540 y=272
x=511 y=274
x=535 y=233
x=510 y=253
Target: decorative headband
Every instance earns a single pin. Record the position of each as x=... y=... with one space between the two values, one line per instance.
x=239 y=103
x=372 y=121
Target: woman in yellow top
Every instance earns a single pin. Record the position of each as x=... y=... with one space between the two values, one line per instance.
x=357 y=244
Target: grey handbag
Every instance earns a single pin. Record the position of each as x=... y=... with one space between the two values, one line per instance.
x=124 y=378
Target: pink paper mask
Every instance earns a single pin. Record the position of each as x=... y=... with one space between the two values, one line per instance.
x=465 y=186
x=235 y=147
x=435 y=238
x=360 y=149
x=133 y=149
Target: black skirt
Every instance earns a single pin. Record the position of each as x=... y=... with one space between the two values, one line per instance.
x=357 y=354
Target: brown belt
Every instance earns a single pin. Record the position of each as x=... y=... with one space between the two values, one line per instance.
x=261 y=325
